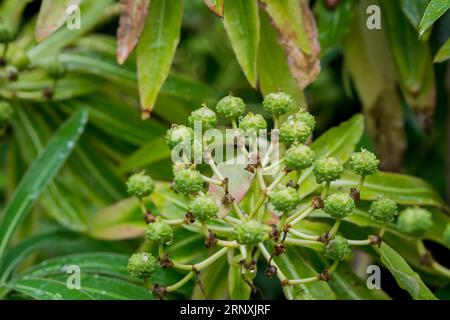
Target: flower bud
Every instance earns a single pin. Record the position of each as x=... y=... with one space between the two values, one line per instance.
x=446 y=235
x=7 y=34
x=178 y=134
x=304 y=116
x=159 y=231
x=415 y=221
x=141 y=265
x=205 y=116
x=249 y=233
x=383 y=210
x=285 y=199
x=204 y=207
x=327 y=169
x=251 y=123
x=6 y=112
x=364 y=163
x=140 y=185
x=337 y=249
x=188 y=181
x=299 y=157
x=230 y=107
x=294 y=130
x=339 y=205
x=278 y=103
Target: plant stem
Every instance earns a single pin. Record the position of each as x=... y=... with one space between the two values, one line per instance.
x=361 y=182
x=303 y=235
x=277 y=180
x=335 y=227
x=302 y=242
x=326 y=190
x=238 y=210
x=205 y=263
x=299 y=215
x=359 y=242
x=227 y=244
x=212 y=181
x=180 y=283
x=301 y=281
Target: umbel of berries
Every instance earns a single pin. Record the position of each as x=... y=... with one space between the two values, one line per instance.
x=140 y=185
x=204 y=207
x=188 y=181
x=278 y=103
x=328 y=169
x=383 y=210
x=299 y=157
x=337 y=249
x=141 y=265
x=204 y=116
x=230 y=107
x=285 y=199
x=364 y=163
x=160 y=232
x=415 y=221
x=339 y=205
x=249 y=233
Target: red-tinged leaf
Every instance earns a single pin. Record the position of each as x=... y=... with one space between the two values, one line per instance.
x=52 y=15
x=215 y=6
x=297 y=33
x=132 y=21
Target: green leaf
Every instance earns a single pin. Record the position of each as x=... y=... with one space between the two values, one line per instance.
x=214 y=282
x=241 y=21
x=298 y=36
x=273 y=70
x=52 y=16
x=216 y=6
x=435 y=9
x=402 y=188
x=39 y=175
x=64 y=36
x=333 y=24
x=11 y=11
x=132 y=21
x=151 y=152
x=156 y=49
x=338 y=142
x=413 y=10
x=406 y=277
x=443 y=53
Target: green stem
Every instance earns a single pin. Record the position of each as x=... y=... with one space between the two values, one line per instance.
x=326 y=190
x=277 y=180
x=335 y=227
x=303 y=235
x=205 y=263
x=359 y=242
x=361 y=182
x=212 y=181
x=180 y=283
x=300 y=215
x=302 y=281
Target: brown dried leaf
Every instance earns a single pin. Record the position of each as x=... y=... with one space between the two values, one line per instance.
x=133 y=14
x=215 y=6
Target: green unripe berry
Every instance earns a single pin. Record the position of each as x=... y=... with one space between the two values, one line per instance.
x=339 y=205
x=204 y=207
x=249 y=233
x=299 y=157
x=278 y=103
x=141 y=265
x=188 y=181
x=251 y=123
x=304 y=116
x=294 y=131
x=415 y=221
x=327 y=169
x=446 y=235
x=19 y=60
x=364 y=163
x=205 y=116
x=337 y=249
x=160 y=232
x=231 y=107
x=7 y=34
x=285 y=199
x=140 y=185
x=383 y=210
x=6 y=112
x=179 y=134
x=55 y=69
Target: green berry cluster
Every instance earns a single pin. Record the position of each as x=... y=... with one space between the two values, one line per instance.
x=328 y=169
x=297 y=128
x=179 y=134
x=249 y=233
x=415 y=221
x=160 y=232
x=339 y=205
x=299 y=157
x=230 y=107
x=188 y=181
x=204 y=207
x=141 y=265
x=7 y=34
x=278 y=103
x=383 y=210
x=364 y=163
x=140 y=185
x=337 y=249
x=284 y=199
x=251 y=123
x=205 y=116
x=6 y=112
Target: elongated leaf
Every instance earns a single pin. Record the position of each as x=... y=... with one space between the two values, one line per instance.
x=241 y=21
x=52 y=16
x=414 y=10
x=238 y=288
x=214 y=282
x=435 y=9
x=406 y=278
x=156 y=49
x=333 y=24
x=148 y=154
x=298 y=36
x=273 y=70
x=39 y=175
x=338 y=142
x=443 y=53
x=132 y=20
x=216 y=6
x=402 y=188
